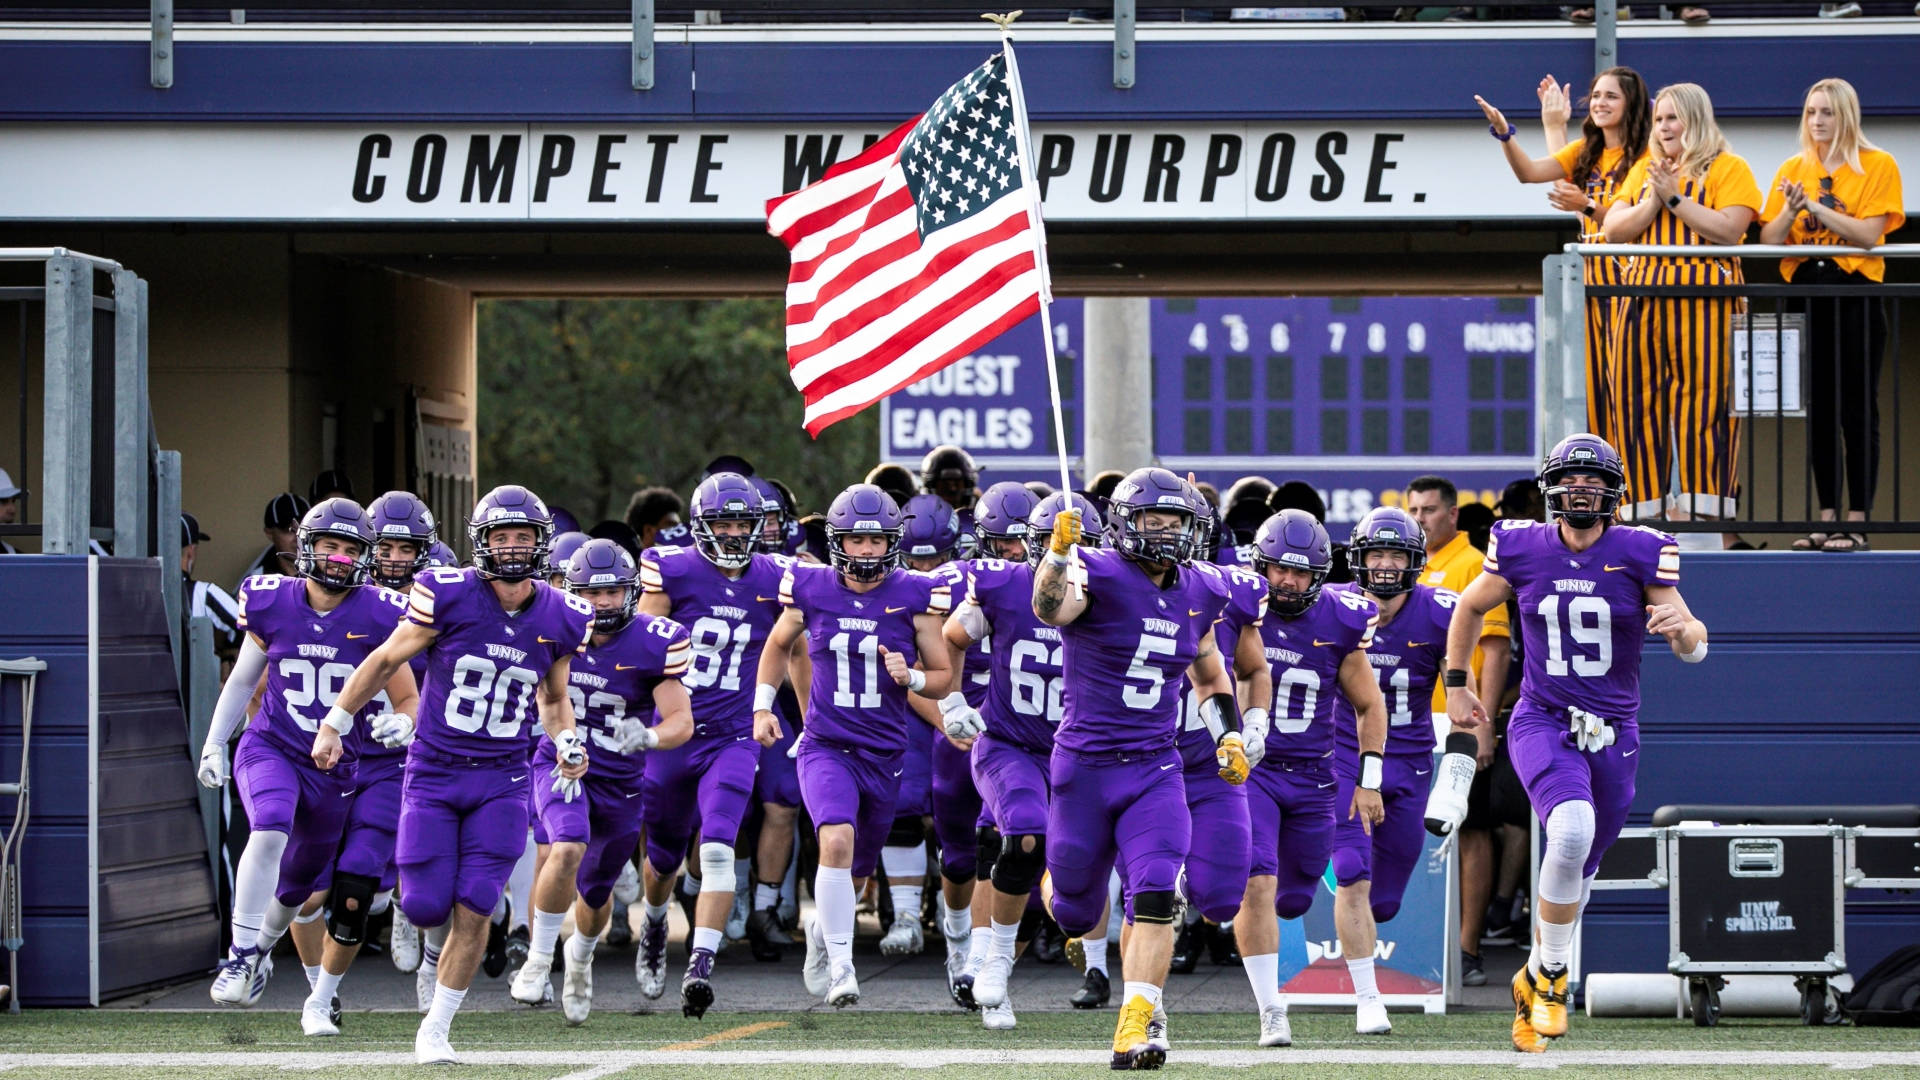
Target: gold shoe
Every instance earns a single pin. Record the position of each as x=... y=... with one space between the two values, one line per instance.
x=1525 y=1039
x=1131 y=1048
x=1550 y=1001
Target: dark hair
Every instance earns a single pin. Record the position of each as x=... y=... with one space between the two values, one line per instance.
x=1103 y=484
x=1208 y=492
x=896 y=480
x=1448 y=493
x=1521 y=499
x=1636 y=127
x=649 y=505
x=1298 y=495
x=1476 y=520
x=620 y=533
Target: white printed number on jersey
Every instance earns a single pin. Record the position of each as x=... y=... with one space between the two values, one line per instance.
x=718 y=647
x=486 y=695
x=609 y=709
x=1397 y=689
x=306 y=686
x=1589 y=622
x=1031 y=693
x=847 y=654
x=1288 y=720
x=1147 y=696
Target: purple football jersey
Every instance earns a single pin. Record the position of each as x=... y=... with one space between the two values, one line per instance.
x=977 y=670
x=311 y=654
x=1023 y=698
x=1246 y=606
x=853 y=701
x=485 y=664
x=727 y=620
x=370 y=750
x=1125 y=655
x=1583 y=617
x=613 y=680
x=1407 y=655
x=1305 y=653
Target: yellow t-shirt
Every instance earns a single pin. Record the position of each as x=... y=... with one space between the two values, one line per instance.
x=1871 y=191
x=1599 y=186
x=1454 y=567
x=1728 y=183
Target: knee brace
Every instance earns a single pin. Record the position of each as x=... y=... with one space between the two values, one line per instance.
x=716 y=868
x=908 y=830
x=1563 y=866
x=1154 y=907
x=1030 y=923
x=349 y=903
x=1017 y=870
x=986 y=846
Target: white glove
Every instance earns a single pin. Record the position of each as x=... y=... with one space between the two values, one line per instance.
x=568 y=790
x=633 y=734
x=1254 y=725
x=569 y=748
x=961 y=720
x=1591 y=732
x=213 y=766
x=392 y=730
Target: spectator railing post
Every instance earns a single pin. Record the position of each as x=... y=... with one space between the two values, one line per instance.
x=160 y=45
x=1561 y=388
x=67 y=432
x=130 y=528
x=166 y=467
x=199 y=692
x=643 y=44
x=1606 y=36
x=1123 y=44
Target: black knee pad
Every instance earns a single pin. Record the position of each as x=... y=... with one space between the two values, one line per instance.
x=347 y=906
x=986 y=847
x=1030 y=923
x=1154 y=907
x=908 y=831
x=1017 y=870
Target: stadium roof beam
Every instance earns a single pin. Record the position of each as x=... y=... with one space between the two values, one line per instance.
x=643 y=44
x=160 y=50
x=1606 y=34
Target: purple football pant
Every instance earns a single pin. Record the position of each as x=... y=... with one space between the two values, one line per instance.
x=846 y=786
x=373 y=819
x=605 y=816
x=1221 y=850
x=705 y=786
x=1108 y=807
x=916 y=774
x=1290 y=808
x=778 y=779
x=1386 y=858
x=293 y=797
x=956 y=806
x=1013 y=785
x=463 y=824
x=1554 y=770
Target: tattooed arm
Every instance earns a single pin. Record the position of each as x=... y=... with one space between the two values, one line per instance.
x=1060 y=585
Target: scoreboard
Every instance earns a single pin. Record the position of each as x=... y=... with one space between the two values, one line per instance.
x=1353 y=395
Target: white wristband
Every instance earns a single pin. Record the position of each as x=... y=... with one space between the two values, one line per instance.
x=952 y=702
x=1054 y=558
x=916 y=680
x=764 y=695
x=1370 y=770
x=1698 y=654
x=339 y=720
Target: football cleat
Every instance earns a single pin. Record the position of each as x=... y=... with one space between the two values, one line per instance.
x=650 y=963
x=1447 y=803
x=1076 y=950
x=1371 y=1019
x=1094 y=991
x=1275 y=1030
x=234 y=984
x=816 y=971
x=696 y=986
x=333 y=1010
x=736 y=928
x=1132 y=1049
x=403 y=943
x=424 y=980
x=1550 y=1001
x=1157 y=1029
x=904 y=937
x=620 y=928
x=532 y=984
x=845 y=989
x=956 y=971
x=1186 y=950
x=1525 y=1039
x=262 y=971
x=315 y=1019
x=990 y=982
x=761 y=926
x=430 y=1047
x=576 y=990
x=998 y=1018
x=519 y=945
x=494 y=961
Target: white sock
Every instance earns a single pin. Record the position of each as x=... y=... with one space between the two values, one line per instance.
x=706 y=937
x=1556 y=944
x=381 y=902
x=446 y=1002
x=956 y=922
x=432 y=940
x=1141 y=989
x=977 y=947
x=520 y=884
x=906 y=878
x=325 y=985
x=580 y=950
x=1361 y=972
x=254 y=879
x=546 y=931
x=313 y=975
x=1003 y=938
x=833 y=896
x=1263 y=974
x=655 y=912
x=765 y=896
x=1095 y=952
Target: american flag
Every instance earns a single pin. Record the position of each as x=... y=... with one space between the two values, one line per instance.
x=914 y=253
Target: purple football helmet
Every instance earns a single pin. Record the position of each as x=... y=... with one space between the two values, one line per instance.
x=778 y=527
x=1594 y=456
x=950 y=472
x=1040 y=522
x=863 y=509
x=1000 y=520
x=931 y=529
x=1387 y=528
x=1293 y=538
x=561 y=549
x=334 y=517
x=564 y=521
x=439 y=554
x=1153 y=489
x=509 y=504
x=400 y=515
x=603 y=564
x=722 y=497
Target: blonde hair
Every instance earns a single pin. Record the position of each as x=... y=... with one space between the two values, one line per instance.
x=1848 y=139
x=1701 y=141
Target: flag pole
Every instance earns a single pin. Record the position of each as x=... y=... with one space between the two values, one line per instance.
x=1023 y=150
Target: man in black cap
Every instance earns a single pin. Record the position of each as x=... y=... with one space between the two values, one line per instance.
x=329 y=483
x=204 y=598
x=280 y=522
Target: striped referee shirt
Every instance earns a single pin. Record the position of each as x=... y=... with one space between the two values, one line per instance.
x=210 y=601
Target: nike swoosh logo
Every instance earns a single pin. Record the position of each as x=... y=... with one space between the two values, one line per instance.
x=545 y=640
x=1324 y=786
x=517 y=779
x=1421 y=772
x=1611 y=569
x=895 y=610
x=1318 y=644
x=346 y=794
x=766 y=599
x=1193 y=613
x=625 y=667
x=1164 y=768
x=897 y=775
x=635 y=795
x=351 y=636
x=1416 y=645
x=1630 y=753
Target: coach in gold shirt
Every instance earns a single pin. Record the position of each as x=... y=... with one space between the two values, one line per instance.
x=1453 y=563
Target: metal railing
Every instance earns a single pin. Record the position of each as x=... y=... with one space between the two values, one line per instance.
x=1771 y=397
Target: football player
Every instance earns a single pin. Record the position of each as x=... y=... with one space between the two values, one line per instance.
x=776 y=785
x=727 y=594
x=499 y=644
x=1316 y=644
x=1388 y=552
x=631 y=667
x=950 y=472
x=305 y=633
x=1589 y=590
x=1132 y=617
x=867 y=623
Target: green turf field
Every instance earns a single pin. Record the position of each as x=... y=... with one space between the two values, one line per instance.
x=774 y=1046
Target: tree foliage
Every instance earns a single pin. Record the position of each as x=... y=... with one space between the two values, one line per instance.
x=586 y=401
